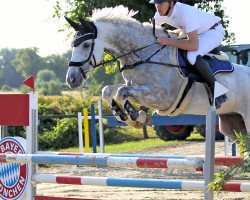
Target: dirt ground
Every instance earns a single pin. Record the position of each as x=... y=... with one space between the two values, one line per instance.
x=122 y=193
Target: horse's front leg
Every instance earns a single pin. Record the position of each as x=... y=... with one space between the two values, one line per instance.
x=144 y=95
x=109 y=92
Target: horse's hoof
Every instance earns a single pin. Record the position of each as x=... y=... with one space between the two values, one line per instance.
x=142 y=117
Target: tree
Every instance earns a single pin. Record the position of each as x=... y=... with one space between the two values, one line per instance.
x=28 y=62
x=47 y=83
x=76 y=9
x=8 y=74
x=57 y=64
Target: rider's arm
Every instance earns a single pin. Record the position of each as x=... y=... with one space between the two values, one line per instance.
x=189 y=44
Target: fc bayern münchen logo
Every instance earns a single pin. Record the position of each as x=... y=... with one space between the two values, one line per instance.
x=13 y=176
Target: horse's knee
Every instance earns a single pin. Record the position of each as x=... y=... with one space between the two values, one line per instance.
x=122 y=93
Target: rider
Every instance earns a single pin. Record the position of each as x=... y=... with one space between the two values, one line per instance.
x=204 y=33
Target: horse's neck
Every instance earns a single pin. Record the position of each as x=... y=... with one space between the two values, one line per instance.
x=121 y=39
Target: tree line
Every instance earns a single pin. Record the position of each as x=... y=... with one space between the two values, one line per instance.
x=50 y=71
x=17 y=64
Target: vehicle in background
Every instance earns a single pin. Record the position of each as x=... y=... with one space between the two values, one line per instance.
x=239 y=54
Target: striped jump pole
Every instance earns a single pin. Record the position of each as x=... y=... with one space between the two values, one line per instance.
x=136 y=182
x=219 y=160
x=104 y=161
x=111 y=161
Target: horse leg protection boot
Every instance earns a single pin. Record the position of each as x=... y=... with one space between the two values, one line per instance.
x=202 y=67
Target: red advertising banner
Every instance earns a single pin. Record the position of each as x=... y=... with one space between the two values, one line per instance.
x=14 y=109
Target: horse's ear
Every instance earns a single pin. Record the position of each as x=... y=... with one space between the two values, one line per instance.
x=73 y=24
x=86 y=25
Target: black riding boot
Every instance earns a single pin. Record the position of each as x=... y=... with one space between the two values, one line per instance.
x=202 y=67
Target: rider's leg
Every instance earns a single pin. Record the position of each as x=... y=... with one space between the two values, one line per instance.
x=207 y=42
x=203 y=68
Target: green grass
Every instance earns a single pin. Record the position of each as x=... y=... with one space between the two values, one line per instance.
x=128 y=147
x=133 y=146
x=195 y=136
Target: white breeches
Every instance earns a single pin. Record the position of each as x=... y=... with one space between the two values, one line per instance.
x=207 y=42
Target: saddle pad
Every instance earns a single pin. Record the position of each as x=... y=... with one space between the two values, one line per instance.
x=216 y=65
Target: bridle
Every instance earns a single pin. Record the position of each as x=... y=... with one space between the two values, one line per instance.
x=81 y=38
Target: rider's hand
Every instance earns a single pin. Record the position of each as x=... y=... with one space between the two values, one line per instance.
x=163 y=40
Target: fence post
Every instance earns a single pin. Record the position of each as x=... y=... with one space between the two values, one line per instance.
x=32 y=143
x=101 y=135
x=234 y=149
x=86 y=130
x=80 y=133
x=93 y=129
x=226 y=143
x=209 y=152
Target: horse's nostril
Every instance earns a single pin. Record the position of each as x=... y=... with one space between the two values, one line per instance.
x=73 y=79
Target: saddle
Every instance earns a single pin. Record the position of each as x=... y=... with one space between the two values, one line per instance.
x=217 y=60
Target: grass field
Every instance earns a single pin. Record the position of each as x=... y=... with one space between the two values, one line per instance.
x=130 y=147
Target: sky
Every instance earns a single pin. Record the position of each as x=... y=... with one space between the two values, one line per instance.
x=30 y=23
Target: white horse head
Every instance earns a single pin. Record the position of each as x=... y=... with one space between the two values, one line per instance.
x=89 y=42
x=84 y=55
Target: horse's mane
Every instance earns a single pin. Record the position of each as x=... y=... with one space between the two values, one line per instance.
x=118 y=14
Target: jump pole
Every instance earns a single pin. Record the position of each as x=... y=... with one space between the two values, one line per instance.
x=112 y=161
x=135 y=182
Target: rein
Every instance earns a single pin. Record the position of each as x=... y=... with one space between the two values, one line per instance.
x=130 y=52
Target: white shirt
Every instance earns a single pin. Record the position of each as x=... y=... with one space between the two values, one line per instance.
x=188 y=18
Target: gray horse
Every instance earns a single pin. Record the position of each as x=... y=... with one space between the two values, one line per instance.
x=150 y=73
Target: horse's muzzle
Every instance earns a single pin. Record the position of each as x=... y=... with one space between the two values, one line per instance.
x=74 y=79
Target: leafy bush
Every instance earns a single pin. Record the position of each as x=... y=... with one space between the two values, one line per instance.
x=242 y=168
x=57 y=133
x=17 y=131
x=63 y=135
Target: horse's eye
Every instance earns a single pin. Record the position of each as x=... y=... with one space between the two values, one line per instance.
x=86 y=45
